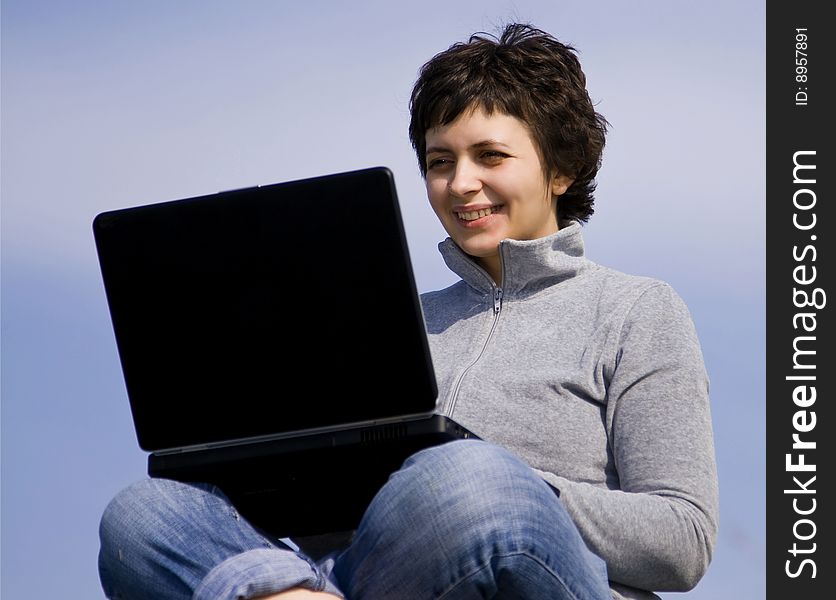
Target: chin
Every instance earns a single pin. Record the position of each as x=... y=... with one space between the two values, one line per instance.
x=478 y=249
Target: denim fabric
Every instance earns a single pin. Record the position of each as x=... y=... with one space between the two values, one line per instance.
x=463 y=520
x=164 y=539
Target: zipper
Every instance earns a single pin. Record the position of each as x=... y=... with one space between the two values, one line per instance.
x=497 y=309
x=497 y=300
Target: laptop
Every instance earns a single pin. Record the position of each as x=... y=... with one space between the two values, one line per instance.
x=272 y=343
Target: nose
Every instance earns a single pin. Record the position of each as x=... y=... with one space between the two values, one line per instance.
x=464 y=180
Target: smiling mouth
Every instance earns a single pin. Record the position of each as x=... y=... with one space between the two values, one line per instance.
x=472 y=215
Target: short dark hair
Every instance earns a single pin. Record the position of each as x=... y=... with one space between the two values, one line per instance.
x=525 y=73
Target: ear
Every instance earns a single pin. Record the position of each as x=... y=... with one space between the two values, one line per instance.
x=561 y=183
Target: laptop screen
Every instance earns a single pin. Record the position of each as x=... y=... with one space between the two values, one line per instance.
x=266 y=310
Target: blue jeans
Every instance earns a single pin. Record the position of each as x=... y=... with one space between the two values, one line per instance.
x=462 y=520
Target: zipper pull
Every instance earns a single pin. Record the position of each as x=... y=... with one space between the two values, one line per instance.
x=497 y=300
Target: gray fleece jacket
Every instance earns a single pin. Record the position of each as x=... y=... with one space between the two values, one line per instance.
x=596 y=379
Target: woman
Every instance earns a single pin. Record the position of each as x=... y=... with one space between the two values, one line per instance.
x=596 y=476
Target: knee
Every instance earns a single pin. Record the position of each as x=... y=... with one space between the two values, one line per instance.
x=453 y=509
x=471 y=489
x=145 y=507
x=124 y=511
x=463 y=458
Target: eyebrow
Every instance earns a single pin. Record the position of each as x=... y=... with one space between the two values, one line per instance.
x=477 y=145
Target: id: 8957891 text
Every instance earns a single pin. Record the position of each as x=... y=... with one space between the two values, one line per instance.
x=801 y=59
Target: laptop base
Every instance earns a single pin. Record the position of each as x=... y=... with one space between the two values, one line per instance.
x=322 y=485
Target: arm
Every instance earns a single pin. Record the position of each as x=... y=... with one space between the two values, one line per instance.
x=658 y=531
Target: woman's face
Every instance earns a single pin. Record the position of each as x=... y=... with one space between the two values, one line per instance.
x=485 y=182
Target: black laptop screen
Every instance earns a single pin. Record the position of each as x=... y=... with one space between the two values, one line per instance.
x=265 y=310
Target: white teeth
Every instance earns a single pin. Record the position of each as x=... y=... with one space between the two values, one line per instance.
x=475 y=214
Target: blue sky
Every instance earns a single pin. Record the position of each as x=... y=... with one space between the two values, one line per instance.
x=111 y=104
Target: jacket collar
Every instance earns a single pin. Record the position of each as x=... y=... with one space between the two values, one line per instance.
x=529 y=266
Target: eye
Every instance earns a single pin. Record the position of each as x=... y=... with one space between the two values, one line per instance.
x=437 y=163
x=493 y=156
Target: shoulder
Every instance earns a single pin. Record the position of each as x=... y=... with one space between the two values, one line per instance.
x=632 y=303
x=652 y=316
x=619 y=292
x=445 y=296
x=451 y=303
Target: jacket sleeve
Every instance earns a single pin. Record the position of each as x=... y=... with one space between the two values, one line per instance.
x=657 y=531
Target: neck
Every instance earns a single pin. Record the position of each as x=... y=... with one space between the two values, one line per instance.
x=493 y=265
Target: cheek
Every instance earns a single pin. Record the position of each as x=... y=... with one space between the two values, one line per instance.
x=436 y=195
